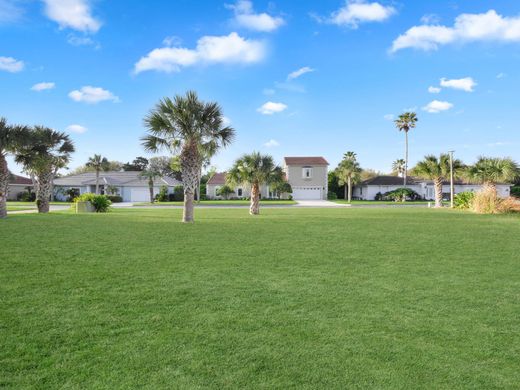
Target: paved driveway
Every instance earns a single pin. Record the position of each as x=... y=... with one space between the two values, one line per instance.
x=319 y=203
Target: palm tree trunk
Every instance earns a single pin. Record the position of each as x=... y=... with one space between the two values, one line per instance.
x=349 y=189
x=405 y=158
x=254 y=209
x=44 y=191
x=190 y=168
x=437 y=183
x=345 y=195
x=150 y=187
x=198 y=186
x=4 y=186
x=97 y=181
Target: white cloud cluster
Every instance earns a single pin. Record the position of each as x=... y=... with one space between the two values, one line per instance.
x=42 y=86
x=9 y=64
x=465 y=84
x=488 y=26
x=246 y=17
x=299 y=72
x=10 y=11
x=78 y=129
x=436 y=106
x=230 y=48
x=92 y=95
x=271 y=108
x=355 y=12
x=433 y=89
x=74 y=14
x=271 y=143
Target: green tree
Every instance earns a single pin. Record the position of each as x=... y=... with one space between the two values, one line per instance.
x=225 y=191
x=11 y=137
x=280 y=187
x=437 y=170
x=45 y=152
x=192 y=127
x=139 y=164
x=254 y=170
x=398 y=167
x=151 y=175
x=405 y=122
x=348 y=173
x=98 y=164
x=490 y=171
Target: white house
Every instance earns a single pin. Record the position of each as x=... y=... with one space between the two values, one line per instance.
x=127 y=184
x=369 y=189
x=219 y=179
x=17 y=184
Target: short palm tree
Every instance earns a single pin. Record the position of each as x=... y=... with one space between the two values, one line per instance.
x=98 y=163
x=151 y=175
x=398 y=166
x=489 y=171
x=405 y=122
x=192 y=127
x=11 y=137
x=437 y=170
x=348 y=173
x=254 y=170
x=45 y=152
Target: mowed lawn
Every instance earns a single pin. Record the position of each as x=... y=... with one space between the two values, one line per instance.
x=295 y=298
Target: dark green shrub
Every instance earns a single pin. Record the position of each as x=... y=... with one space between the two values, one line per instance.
x=332 y=195
x=162 y=196
x=401 y=195
x=463 y=200
x=379 y=196
x=178 y=194
x=26 y=196
x=101 y=203
x=72 y=193
x=515 y=191
x=115 y=198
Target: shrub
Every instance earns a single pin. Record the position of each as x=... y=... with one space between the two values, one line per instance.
x=101 y=203
x=487 y=202
x=72 y=193
x=225 y=191
x=332 y=195
x=178 y=193
x=401 y=194
x=515 y=191
x=162 y=196
x=379 y=196
x=26 y=196
x=463 y=200
x=115 y=198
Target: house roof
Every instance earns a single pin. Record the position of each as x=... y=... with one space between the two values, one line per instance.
x=114 y=178
x=217 y=179
x=20 y=180
x=305 y=161
x=388 y=181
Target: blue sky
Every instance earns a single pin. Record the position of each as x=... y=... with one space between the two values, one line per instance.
x=293 y=77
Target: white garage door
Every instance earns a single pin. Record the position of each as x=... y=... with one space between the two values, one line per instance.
x=306 y=193
x=140 y=195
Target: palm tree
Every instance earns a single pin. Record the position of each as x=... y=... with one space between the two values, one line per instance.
x=254 y=170
x=11 y=137
x=98 y=163
x=150 y=174
x=405 y=122
x=437 y=170
x=348 y=173
x=489 y=171
x=398 y=166
x=191 y=126
x=45 y=152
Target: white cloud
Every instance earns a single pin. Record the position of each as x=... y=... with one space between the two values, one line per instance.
x=172 y=41
x=501 y=75
x=226 y=121
x=389 y=117
x=92 y=95
x=76 y=129
x=75 y=14
x=81 y=41
x=9 y=64
x=43 y=86
x=10 y=11
x=299 y=72
x=271 y=143
x=488 y=26
x=436 y=106
x=355 y=12
x=230 y=48
x=433 y=89
x=430 y=19
x=245 y=16
x=465 y=84
x=270 y=108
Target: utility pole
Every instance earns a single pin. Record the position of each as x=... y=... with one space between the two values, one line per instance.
x=452 y=187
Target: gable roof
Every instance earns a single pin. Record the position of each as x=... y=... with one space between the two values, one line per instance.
x=305 y=161
x=114 y=178
x=388 y=181
x=20 y=180
x=217 y=179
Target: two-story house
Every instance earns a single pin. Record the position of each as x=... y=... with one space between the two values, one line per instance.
x=307 y=177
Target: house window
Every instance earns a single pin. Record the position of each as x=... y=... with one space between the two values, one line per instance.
x=216 y=191
x=307 y=172
x=239 y=192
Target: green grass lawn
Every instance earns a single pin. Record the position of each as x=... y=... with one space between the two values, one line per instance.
x=19 y=208
x=220 y=203
x=294 y=298
x=383 y=202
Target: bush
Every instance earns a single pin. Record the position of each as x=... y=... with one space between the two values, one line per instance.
x=225 y=191
x=515 y=191
x=401 y=195
x=379 y=196
x=162 y=196
x=178 y=194
x=115 y=198
x=332 y=195
x=101 y=203
x=487 y=202
x=463 y=200
x=26 y=196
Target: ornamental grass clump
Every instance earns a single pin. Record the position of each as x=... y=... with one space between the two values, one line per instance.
x=487 y=202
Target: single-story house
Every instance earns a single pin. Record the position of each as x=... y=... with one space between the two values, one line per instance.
x=369 y=189
x=18 y=184
x=306 y=175
x=127 y=184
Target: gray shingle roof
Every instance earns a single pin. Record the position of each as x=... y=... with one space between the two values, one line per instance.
x=114 y=178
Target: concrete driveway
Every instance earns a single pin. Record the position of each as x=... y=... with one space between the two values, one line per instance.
x=319 y=203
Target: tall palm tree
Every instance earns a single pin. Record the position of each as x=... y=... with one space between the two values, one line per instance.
x=398 y=166
x=254 y=170
x=98 y=163
x=437 y=170
x=348 y=173
x=191 y=126
x=489 y=171
x=45 y=152
x=405 y=122
x=11 y=137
